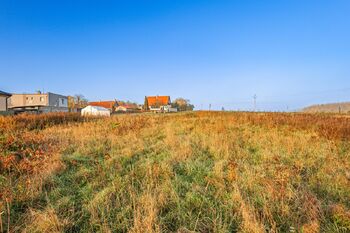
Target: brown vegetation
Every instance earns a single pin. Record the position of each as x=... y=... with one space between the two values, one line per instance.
x=193 y=172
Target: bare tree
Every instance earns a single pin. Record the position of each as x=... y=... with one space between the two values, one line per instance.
x=183 y=104
x=77 y=101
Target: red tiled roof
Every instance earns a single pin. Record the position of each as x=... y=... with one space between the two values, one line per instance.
x=158 y=100
x=105 y=104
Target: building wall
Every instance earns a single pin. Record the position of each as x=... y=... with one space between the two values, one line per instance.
x=47 y=109
x=49 y=102
x=23 y=100
x=16 y=100
x=56 y=100
x=3 y=103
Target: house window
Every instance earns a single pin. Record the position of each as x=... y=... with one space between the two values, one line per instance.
x=62 y=101
x=41 y=99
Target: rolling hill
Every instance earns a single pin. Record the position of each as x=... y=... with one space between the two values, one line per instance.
x=331 y=108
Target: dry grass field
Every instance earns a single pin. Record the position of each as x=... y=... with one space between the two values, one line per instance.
x=191 y=172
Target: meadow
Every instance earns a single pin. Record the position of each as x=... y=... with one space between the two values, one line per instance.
x=185 y=172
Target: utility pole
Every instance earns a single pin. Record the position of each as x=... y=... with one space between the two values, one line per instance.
x=255 y=97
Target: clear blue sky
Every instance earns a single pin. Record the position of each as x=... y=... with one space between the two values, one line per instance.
x=289 y=53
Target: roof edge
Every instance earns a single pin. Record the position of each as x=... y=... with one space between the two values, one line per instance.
x=5 y=94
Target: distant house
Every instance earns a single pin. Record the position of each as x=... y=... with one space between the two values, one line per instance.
x=127 y=108
x=110 y=105
x=156 y=103
x=38 y=102
x=4 y=101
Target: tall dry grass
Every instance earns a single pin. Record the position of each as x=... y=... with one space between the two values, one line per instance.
x=193 y=172
x=28 y=155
